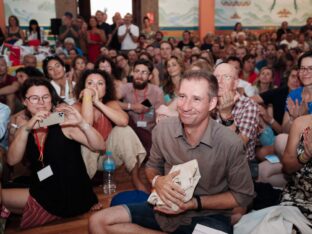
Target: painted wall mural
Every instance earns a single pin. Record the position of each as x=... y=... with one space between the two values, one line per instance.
x=261 y=14
x=178 y=14
x=42 y=11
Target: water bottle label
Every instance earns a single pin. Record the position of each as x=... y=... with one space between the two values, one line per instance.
x=109 y=165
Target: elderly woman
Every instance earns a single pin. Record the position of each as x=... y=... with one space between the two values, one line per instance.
x=60 y=186
x=101 y=109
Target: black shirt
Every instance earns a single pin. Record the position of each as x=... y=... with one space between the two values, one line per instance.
x=68 y=192
x=276 y=97
x=183 y=45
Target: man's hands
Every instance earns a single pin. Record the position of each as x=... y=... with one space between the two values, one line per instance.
x=226 y=103
x=171 y=194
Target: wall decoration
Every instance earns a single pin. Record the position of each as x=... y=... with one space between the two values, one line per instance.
x=261 y=14
x=42 y=11
x=178 y=14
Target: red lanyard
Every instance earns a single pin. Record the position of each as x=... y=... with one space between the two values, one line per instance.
x=136 y=98
x=40 y=146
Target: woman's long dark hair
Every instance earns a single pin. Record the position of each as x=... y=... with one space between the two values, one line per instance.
x=34 y=22
x=47 y=60
x=110 y=92
x=116 y=71
x=169 y=86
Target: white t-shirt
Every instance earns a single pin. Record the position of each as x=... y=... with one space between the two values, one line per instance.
x=66 y=98
x=128 y=43
x=249 y=89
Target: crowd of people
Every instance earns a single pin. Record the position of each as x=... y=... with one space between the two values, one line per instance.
x=232 y=101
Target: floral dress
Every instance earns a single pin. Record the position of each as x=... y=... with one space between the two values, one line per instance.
x=298 y=191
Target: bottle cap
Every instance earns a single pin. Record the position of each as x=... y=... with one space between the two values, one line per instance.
x=108 y=153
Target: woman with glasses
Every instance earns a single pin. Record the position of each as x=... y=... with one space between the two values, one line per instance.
x=299 y=101
x=54 y=69
x=99 y=106
x=59 y=184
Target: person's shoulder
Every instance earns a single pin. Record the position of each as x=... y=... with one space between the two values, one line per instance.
x=296 y=92
x=169 y=124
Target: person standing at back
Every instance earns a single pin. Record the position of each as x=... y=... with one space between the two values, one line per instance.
x=128 y=34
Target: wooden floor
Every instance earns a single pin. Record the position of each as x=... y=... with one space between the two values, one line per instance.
x=77 y=225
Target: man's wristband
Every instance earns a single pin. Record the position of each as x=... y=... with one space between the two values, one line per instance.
x=129 y=106
x=199 y=204
x=154 y=181
x=272 y=121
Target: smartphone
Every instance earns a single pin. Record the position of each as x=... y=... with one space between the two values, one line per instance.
x=146 y=103
x=53 y=118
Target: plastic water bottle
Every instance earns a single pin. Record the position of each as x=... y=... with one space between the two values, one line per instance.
x=109 y=167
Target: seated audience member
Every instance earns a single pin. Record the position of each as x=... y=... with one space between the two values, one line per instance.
x=122 y=63
x=192 y=135
x=34 y=34
x=155 y=73
x=297 y=164
x=8 y=85
x=64 y=190
x=174 y=69
x=235 y=111
x=141 y=99
x=299 y=100
x=246 y=87
x=276 y=98
x=29 y=60
x=264 y=80
x=79 y=66
x=100 y=108
x=248 y=69
x=54 y=69
x=186 y=41
x=69 y=44
x=13 y=31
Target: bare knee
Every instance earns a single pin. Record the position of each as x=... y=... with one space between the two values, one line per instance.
x=101 y=220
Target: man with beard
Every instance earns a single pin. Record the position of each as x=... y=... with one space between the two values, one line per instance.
x=141 y=99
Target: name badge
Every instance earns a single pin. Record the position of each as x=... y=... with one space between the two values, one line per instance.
x=45 y=173
x=141 y=124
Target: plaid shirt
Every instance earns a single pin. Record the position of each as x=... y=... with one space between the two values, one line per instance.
x=246 y=118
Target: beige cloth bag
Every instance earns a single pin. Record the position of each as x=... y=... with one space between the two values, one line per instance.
x=187 y=180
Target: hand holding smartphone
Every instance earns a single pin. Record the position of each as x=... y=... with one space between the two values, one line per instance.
x=52 y=119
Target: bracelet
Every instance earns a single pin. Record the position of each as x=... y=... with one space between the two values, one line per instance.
x=87 y=98
x=272 y=121
x=154 y=181
x=302 y=159
x=199 y=204
x=129 y=106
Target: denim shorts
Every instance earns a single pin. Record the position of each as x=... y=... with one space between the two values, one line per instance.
x=143 y=215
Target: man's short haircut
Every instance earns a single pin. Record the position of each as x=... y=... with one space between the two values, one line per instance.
x=167 y=42
x=235 y=59
x=144 y=62
x=203 y=75
x=307 y=54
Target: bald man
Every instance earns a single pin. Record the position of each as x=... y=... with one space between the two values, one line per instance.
x=235 y=111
